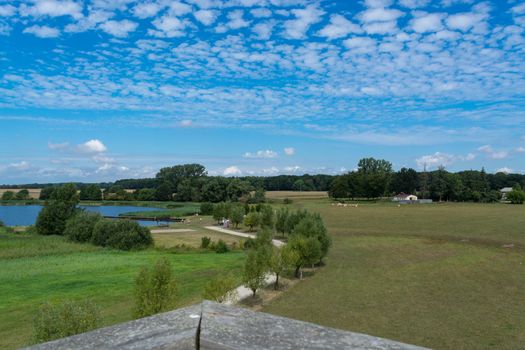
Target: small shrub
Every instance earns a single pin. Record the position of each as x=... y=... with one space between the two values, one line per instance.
x=206 y=209
x=205 y=242
x=287 y=201
x=80 y=227
x=516 y=196
x=2 y=223
x=154 y=289
x=220 y=289
x=65 y=319
x=121 y=234
x=249 y=243
x=221 y=247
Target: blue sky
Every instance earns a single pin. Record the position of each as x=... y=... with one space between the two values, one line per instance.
x=105 y=89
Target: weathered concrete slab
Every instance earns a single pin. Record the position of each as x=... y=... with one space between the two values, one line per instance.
x=213 y=326
x=172 y=330
x=229 y=328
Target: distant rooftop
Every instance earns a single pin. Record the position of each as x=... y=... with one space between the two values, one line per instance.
x=216 y=326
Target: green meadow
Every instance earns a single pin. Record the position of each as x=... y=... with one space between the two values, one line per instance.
x=37 y=269
x=445 y=276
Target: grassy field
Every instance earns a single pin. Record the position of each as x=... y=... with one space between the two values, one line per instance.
x=296 y=194
x=38 y=269
x=433 y=275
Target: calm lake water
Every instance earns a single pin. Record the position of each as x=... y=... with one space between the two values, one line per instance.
x=25 y=215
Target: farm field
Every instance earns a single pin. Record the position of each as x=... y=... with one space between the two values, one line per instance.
x=37 y=269
x=433 y=275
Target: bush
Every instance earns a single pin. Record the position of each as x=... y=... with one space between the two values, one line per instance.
x=205 y=242
x=154 y=289
x=221 y=247
x=2 y=223
x=249 y=243
x=80 y=227
x=516 y=196
x=8 y=195
x=65 y=319
x=206 y=209
x=220 y=289
x=121 y=234
x=287 y=201
x=52 y=218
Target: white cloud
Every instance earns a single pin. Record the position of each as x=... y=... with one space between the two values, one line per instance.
x=297 y=28
x=380 y=15
x=92 y=146
x=339 y=27
x=7 y=10
x=58 y=146
x=232 y=171
x=261 y=13
x=236 y=20
x=261 y=154
x=289 y=151
x=169 y=27
x=271 y=171
x=52 y=8
x=464 y=21
x=206 y=17
x=292 y=169
x=493 y=154
x=186 y=123
x=505 y=170
x=425 y=23
x=520 y=150
x=179 y=8
x=435 y=160
x=413 y=4
x=381 y=28
x=21 y=166
x=146 y=9
x=519 y=9
x=120 y=29
x=263 y=30
x=42 y=31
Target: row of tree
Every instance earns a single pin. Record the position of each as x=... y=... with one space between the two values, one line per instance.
x=375 y=178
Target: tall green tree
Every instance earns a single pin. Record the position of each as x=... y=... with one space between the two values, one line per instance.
x=91 y=192
x=374 y=176
x=154 y=289
x=62 y=205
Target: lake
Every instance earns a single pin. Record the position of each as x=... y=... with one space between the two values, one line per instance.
x=25 y=215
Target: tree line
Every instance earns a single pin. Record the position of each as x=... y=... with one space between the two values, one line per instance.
x=375 y=178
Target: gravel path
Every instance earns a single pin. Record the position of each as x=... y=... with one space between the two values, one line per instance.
x=172 y=230
x=243 y=292
x=275 y=242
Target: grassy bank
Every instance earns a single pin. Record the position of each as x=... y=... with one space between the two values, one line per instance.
x=38 y=269
x=435 y=275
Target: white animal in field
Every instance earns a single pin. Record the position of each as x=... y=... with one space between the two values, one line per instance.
x=339 y=204
x=345 y=205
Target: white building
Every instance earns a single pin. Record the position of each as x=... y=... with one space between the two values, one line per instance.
x=404 y=197
x=504 y=192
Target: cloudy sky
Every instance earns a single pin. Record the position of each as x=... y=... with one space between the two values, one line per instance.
x=105 y=89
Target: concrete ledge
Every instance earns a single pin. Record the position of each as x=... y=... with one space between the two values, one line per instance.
x=213 y=326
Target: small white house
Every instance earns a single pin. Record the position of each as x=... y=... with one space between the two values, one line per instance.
x=504 y=192
x=404 y=197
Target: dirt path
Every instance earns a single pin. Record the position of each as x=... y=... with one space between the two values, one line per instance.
x=275 y=242
x=172 y=230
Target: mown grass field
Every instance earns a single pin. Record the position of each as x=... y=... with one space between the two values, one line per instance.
x=37 y=269
x=433 y=275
